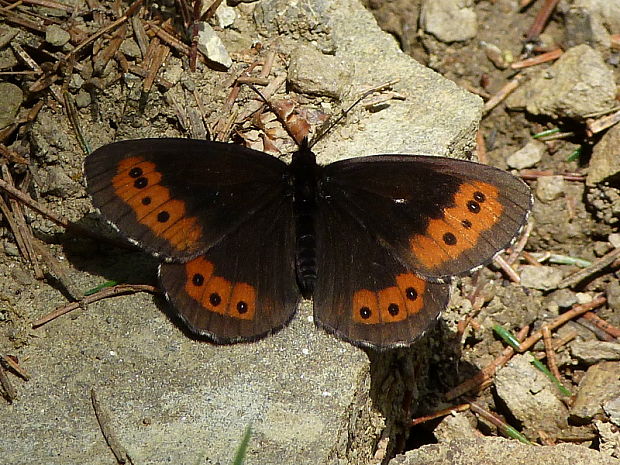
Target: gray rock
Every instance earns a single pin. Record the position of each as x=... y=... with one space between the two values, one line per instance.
x=612 y=409
x=315 y=73
x=210 y=44
x=531 y=397
x=7 y=59
x=7 y=34
x=449 y=20
x=613 y=295
x=56 y=182
x=590 y=352
x=11 y=97
x=609 y=438
x=82 y=99
x=605 y=160
x=57 y=36
x=527 y=156
x=500 y=451
x=456 y=426
x=549 y=188
x=578 y=84
x=600 y=384
x=591 y=22
x=131 y=48
x=540 y=277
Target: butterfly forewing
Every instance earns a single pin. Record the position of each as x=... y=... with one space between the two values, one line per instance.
x=440 y=217
x=177 y=197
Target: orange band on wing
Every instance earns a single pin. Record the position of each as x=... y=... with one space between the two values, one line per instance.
x=389 y=305
x=216 y=294
x=477 y=209
x=138 y=183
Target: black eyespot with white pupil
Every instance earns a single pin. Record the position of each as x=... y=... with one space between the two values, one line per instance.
x=198 y=279
x=242 y=307
x=411 y=293
x=135 y=172
x=449 y=238
x=365 y=313
x=393 y=309
x=215 y=299
x=141 y=183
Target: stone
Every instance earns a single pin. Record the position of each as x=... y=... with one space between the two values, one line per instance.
x=315 y=73
x=530 y=396
x=578 y=84
x=540 y=277
x=612 y=409
x=212 y=47
x=591 y=352
x=549 y=188
x=600 y=384
x=605 y=160
x=501 y=451
x=449 y=20
x=56 y=35
x=527 y=156
x=11 y=97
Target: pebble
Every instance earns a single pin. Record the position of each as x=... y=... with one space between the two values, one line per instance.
x=612 y=409
x=550 y=188
x=315 y=73
x=11 y=97
x=605 y=161
x=600 y=384
x=210 y=44
x=57 y=36
x=449 y=20
x=540 y=277
x=527 y=156
x=578 y=84
x=591 y=352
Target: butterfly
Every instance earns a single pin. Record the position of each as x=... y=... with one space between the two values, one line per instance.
x=243 y=236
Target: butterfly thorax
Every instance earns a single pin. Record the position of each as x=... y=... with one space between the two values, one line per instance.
x=305 y=174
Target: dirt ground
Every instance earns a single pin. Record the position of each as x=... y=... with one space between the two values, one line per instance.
x=574 y=228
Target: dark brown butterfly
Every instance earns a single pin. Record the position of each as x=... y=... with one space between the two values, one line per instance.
x=243 y=235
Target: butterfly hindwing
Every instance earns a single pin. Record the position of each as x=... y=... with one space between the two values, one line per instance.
x=177 y=197
x=441 y=217
x=363 y=293
x=244 y=286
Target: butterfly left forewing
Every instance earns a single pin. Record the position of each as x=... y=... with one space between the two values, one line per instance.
x=242 y=288
x=363 y=293
x=442 y=217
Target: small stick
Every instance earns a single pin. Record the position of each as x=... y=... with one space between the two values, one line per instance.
x=9 y=391
x=440 y=413
x=598 y=332
x=575 y=311
x=548 y=341
x=597 y=266
x=535 y=174
x=602 y=324
x=506 y=268
x=502 y=94
x=102 y=294
x=13 y=365
x=538 y=59
x=517 y=249
x=595 y=126
x=481 y=148
x=541 y=20
x=106 y=429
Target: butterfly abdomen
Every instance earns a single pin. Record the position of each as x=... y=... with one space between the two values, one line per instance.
x=305 y=173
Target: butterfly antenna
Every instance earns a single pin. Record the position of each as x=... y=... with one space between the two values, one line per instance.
x=331 y=124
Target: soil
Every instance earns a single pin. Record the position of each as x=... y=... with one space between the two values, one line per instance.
x=569 y=225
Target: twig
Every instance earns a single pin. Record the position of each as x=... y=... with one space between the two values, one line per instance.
x=602 y=324
x=440 y=413
x=548 y=341
x=597 y=266
x=575 y=311
x=102 y=294
x=103 y=419
x=541 y=20
x=538 y=59
x=9 y=363
x=506 y=268
x=595 y=126
x=502 y=94
x=517 y=249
